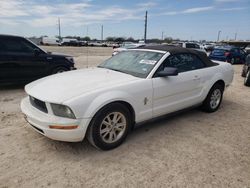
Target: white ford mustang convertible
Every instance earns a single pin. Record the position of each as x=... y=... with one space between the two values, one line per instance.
x=105 y=102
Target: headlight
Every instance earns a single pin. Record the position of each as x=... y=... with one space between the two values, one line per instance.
x=71 y=59
x=62 y=111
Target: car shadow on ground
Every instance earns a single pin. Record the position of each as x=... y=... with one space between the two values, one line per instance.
x=138 y=133
x=141 y=132
x=11 y=86
x=163 y=122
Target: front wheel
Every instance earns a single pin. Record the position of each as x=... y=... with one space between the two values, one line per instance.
x=109 y=127
x=247 y=79
x=213 y=99
x=59 y=70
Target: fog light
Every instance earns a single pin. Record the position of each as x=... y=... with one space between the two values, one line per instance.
x=63 y=127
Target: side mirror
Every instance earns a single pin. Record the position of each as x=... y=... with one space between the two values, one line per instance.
x=168 y=71
x=37 y=52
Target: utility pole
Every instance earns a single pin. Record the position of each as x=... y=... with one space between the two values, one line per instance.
x=218 y=38
x=235 y=36
x=87 y=47
x=102 y=33
x=162 y=35
x=59 y=27
x=145 y=29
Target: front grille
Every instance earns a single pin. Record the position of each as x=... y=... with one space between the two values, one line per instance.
x=40 y=105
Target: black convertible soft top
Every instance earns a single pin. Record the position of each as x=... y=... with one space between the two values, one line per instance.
x=177 y=50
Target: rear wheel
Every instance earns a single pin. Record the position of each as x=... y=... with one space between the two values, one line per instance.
x=109 y=127
x=213 y=99
x=243 y=74
x=59 y=70
x=247 y=79
x=232 y=61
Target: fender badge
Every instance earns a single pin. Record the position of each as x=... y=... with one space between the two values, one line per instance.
x=145 y=100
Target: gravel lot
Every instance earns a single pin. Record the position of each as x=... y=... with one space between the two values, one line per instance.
x=193 y=149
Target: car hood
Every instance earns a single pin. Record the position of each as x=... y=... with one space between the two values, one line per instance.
x=64 y=86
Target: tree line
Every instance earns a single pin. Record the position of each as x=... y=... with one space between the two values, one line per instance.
x=121 y=39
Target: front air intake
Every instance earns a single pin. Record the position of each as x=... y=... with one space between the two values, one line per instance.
x=40 y=105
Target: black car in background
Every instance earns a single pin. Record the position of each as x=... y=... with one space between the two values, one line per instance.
x=23 y=61
x=246 y=71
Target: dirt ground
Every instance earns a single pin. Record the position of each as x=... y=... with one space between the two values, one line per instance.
x=192 y=149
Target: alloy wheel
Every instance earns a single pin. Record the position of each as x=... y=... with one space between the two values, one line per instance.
x=215 y=98
x=60 y=71
x=113 y=127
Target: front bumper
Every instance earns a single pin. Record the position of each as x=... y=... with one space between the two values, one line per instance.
x=41 y=121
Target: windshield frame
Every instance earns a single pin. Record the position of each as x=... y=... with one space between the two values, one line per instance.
x=131 y=73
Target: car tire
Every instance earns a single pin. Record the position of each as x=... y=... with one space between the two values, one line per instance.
x=232 y=61
x=247 y=79
x=59 y=70
x=109 y=127
x=243 y=74
x=213 y=99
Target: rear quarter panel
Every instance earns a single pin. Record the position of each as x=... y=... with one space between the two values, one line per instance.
x=227 y=72
x=223 y=71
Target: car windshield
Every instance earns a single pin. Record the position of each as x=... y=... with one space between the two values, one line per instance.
x=133 y=62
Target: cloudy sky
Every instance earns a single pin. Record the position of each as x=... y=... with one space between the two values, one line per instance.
x=184 y=19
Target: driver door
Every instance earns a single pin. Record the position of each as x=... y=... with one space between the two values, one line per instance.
x=174 y=93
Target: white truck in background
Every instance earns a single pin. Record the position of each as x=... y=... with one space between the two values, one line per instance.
x=50 y=41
